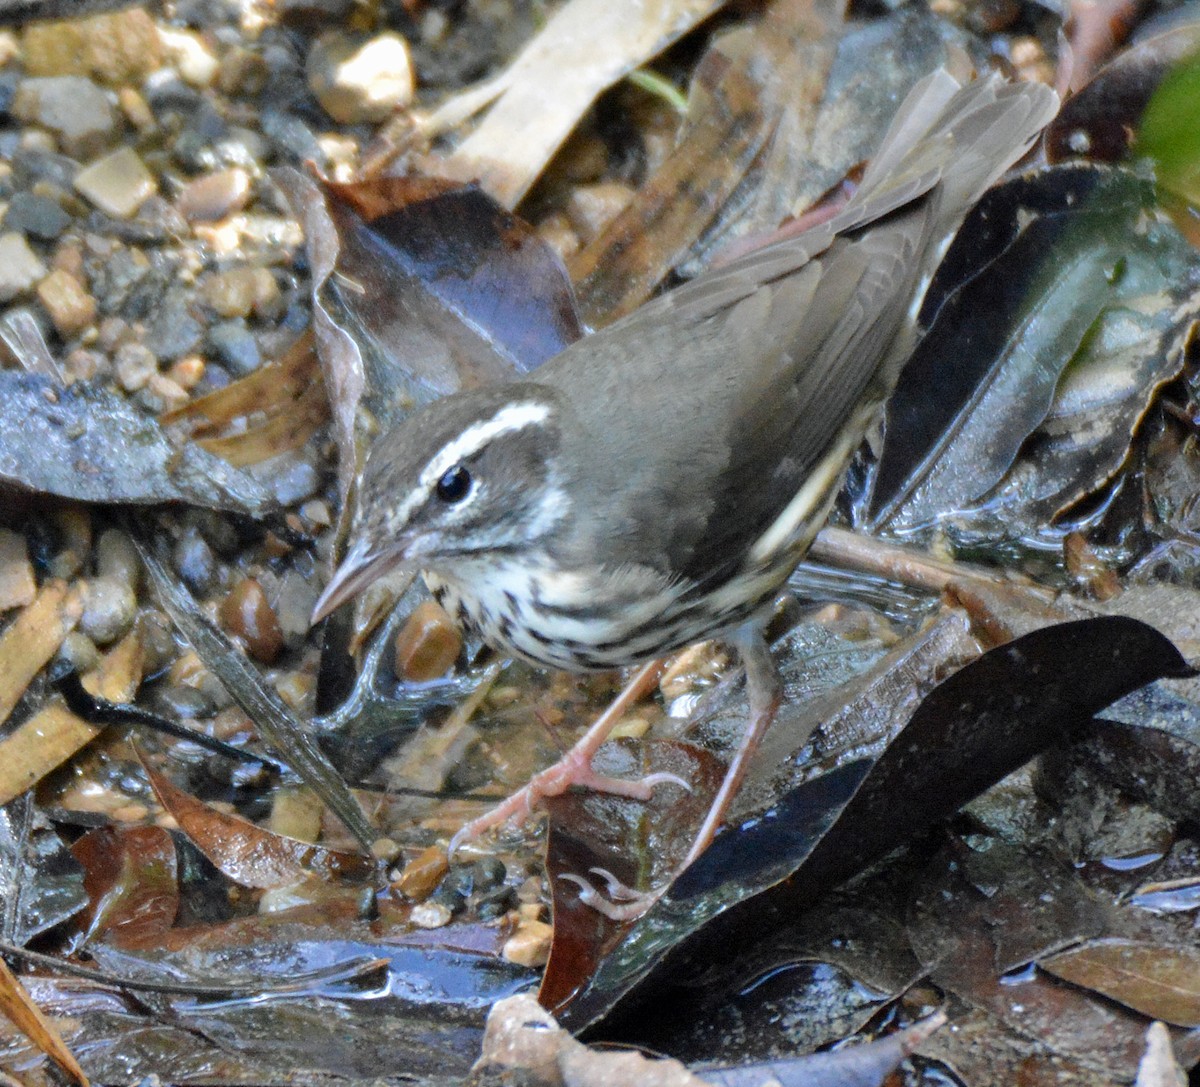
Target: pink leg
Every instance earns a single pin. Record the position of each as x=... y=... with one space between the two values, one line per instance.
x=575 y=767
x=764 y=693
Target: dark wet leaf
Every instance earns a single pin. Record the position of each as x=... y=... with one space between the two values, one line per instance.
x=448 y=287
x=421 y=287
x=41 y=884
x=247 y=853
x=291 y=739
x=971 y=730
x=426 y=1019
x=1077 y=311
x=131 y=878
x=89 y=443
x=1102 y=119
x=1148 y=745
x=982 y=1049
x=865 y=1065
x=953 y=929
x=1033 y=904
x=1161 y=982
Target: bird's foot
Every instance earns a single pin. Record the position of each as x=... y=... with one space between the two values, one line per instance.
x=623 y=902
x=573 y=769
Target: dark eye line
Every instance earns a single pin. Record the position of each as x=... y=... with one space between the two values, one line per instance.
x=454 y=485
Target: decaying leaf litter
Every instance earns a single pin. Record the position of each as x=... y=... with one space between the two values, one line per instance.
x=162 y=396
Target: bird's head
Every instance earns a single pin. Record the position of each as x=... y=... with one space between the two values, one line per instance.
x=469 y=475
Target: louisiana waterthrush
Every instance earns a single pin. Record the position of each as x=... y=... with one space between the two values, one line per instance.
x=656 y=483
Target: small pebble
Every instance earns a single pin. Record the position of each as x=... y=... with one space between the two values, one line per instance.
x=118 y=184
x=109 y=609
x=36 y=216
x=118 y=49
x=117 y=559
x=247 y=615
x=80 y=652
x=423 y=873
x=496 y=903
x=296 y=812
x=239 y=291
x=136 y=109
x=73 y=108
x=428 y=644
x=17 y=586
x=631 y=727
x=69 y=257
x=235 y=346
x=316 y=514
x=214 y=196
x=113 y=332
x=187 y=372
x=385 y=849
x=172 y=331
x=74 y=525
x=66 y=300
x=192 y=58
x=297 y=689
x=488 y=872
x=166 y=392
x=20 y=267
x=368 y=904
x=297 y=595
x=360 y=82
x=242 y=72
x=134 y=364
x=183 y=702
x=430 y=915
x=293 y=479
x=556 y=231
x=195 y=562
x=157 y=641
x=530 y=944
x=591 y=207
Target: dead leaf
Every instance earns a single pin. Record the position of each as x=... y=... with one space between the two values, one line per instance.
x=25 y=1014
x=53 y=734
x=1160 y=981
x=246 y=853
x=33 y=638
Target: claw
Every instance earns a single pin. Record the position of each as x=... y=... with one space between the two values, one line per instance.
x=632 y=905
x=617 y=890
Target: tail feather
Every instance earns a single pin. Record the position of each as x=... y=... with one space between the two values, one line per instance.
x=960 y=139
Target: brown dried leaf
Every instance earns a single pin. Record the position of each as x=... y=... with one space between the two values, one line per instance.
x=1158 y=980
x=130 y=874
x=586 y=47
x=17 y=1005
x=246 y=853
x=33 y=638
x=289 y=392
x=53 y=734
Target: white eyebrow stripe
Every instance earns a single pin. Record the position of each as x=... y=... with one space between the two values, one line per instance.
x=509 y=418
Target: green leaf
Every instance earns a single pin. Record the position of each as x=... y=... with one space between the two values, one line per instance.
x=1170 y=132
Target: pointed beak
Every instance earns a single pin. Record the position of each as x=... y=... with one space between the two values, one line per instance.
x=358 y=570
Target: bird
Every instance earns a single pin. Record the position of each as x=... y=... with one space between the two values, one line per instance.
x=655 y=483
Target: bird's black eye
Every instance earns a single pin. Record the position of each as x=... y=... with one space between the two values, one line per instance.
x=454 y=485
